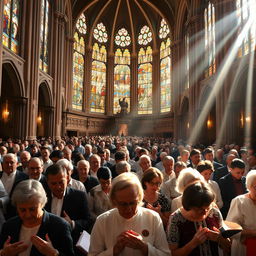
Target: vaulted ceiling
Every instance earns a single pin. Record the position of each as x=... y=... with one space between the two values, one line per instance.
x=130 y=14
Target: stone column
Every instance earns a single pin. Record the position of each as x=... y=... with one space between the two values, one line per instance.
x=1 y=45
x=134 y=84
x=87 y=80
x=110 y=84
x=58 y=54
x=31 y=55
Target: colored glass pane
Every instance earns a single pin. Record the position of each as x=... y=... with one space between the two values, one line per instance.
x=81 y=24
x=165 y=84
x=44 y=36
x=145 y=56
x=164 y=29
x=145 y=88
x=100 y=33
x=78 y=72
x=11 y=24
x=145 y=36
x=209 y=20
x=244 y=10
x=98 y=79
x=122 y=57
x=122 y=38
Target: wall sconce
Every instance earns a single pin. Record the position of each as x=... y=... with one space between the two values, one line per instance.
x=248 y=119
x=188 y=125
x=39 y=119
x=6 y=112
x=242 y=119
x=209 y=123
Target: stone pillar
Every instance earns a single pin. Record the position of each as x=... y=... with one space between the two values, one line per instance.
x=134 y=84
x=31 y=55
x=87 y=80
x=110 y=84
x=58 y=54
x=1 y=45
x=156 y=90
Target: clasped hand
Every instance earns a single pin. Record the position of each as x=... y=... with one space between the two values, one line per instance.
x=43 y=246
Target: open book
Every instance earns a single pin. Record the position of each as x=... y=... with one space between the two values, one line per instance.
x=83 y=242
x=229 y=229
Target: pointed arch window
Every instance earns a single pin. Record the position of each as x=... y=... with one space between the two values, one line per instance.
x=98 y=79
x=245 y=9
x=145 y=81
x=209 y=23
x=122 y=78
x=165 y=76
x=11 y=25
x=44 y=36
x=122 y=38
x=145 y=36
x=165 y=67
x=78 y=63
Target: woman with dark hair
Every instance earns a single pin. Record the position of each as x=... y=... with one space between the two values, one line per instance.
x=194 y=228
x=153 y=199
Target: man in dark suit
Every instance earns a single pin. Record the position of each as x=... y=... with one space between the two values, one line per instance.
x=209 y=155
x=24 y=159
x=195 y=158
x=66 y=202
x=221 y=172
x=232 y=184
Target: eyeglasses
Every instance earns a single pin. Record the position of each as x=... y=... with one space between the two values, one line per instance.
x=127 y=204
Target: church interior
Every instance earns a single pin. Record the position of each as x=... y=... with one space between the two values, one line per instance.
x=183 y=69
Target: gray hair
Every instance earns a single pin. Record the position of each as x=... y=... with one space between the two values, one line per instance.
x=28 y=190
x=123 y=181
x=187 y=176
x=10 y=155
x=144 y=157
x=123 y=166
x=66 y=164
x=250 y=177
x=85 y=162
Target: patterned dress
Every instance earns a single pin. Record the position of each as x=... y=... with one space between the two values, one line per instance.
x=162 y=201
x=180 y=231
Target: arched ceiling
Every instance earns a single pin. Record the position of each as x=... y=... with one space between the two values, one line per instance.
x=130 y=14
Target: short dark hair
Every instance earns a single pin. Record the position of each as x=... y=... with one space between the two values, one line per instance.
x=56 y=153
x=202 y=195
x=204 y=165
x=237 y=163
x=149 y=175
x=104 y=173
x=207 y=151
x=54 y=169
x=194 y=152
x=120 y=155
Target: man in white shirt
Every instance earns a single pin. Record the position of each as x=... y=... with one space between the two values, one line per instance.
x=45 y=156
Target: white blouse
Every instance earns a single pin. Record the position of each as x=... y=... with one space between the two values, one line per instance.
x=110 y=225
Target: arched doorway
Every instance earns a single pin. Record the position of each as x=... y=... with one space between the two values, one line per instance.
x=12 y=104
x=45 y=112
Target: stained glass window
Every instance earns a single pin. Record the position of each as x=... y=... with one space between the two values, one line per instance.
x=209 y=22
x=244 y=10
x=122 y=38
x=78 y=72
x=164 y=29
x=98 y=80
x=44 y=36
x=165 y=76
x=11 y=24
x=122 y=78
x=145 y=81
x=145 y=36
x=100 y=33
x=81 y=24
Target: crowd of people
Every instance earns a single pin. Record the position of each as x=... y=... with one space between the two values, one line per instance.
x=134 y=195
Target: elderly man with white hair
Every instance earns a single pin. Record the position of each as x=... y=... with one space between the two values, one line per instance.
x=144 y=163
x=160 y=165
x=76 y=184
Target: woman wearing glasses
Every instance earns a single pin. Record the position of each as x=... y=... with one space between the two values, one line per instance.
x=193 y=229
x=128 y=229
x=153 y=199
